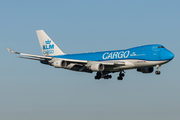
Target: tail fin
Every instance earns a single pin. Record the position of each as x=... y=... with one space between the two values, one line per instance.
x=48 y=47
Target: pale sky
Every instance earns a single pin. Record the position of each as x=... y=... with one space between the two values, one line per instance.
x=33 y=91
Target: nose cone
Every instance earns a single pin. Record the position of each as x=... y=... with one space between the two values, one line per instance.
x=167 y=55
x=170 y=55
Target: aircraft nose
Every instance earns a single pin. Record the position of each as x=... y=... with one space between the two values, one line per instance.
x=166 y=54
x=170 y=55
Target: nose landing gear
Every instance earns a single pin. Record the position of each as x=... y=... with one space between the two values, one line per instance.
x=157 y=72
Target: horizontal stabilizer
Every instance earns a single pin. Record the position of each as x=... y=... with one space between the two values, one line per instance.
x=32 y=58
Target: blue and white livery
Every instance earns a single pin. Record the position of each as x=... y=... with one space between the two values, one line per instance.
x=143 y=58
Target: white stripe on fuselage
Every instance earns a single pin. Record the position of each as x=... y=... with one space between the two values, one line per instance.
x=132 y=64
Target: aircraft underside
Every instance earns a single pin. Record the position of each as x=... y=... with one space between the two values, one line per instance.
x=140 y=65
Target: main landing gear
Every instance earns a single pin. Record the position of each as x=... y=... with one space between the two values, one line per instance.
x=104 y=75
x=157 y=72
x=121 y=75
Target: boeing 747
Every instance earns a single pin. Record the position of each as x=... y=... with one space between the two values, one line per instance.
x=143 y=58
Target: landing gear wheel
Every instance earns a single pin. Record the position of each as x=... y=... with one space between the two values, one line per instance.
x=120 y=78
x=98 y=75
x=103 y=74
x=109 y=76
x=121 y=75
x=158 y=72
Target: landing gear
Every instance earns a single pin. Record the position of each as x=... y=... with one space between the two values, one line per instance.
x=157 y=72
x=104 y=75
x=98 y=75
x=121 y=75
x=107 y=77
x=120 y=78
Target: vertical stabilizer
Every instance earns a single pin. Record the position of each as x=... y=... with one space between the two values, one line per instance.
x=48 y=47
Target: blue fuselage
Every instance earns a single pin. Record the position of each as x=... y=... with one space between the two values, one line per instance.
x=154 y=52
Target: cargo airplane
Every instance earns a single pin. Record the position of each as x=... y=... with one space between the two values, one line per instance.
x=143 y=58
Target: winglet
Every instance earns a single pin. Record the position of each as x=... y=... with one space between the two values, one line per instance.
x=11 y=51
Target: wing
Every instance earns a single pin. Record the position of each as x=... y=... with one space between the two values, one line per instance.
x=76 y=65
x=30 y=55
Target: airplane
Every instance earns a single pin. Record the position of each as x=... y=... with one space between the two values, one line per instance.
x=143 y=58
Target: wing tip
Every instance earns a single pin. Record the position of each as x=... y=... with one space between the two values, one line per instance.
x=11 y=51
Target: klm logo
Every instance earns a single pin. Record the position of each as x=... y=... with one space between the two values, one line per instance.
x=48 y=48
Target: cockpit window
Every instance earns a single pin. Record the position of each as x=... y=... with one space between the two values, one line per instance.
x=161 y=47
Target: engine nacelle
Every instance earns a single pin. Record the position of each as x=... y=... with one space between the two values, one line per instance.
x=97 y=67
x=146 y=70
x=59 y=64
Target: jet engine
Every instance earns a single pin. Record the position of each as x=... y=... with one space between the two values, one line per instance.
x=146 y=70
x=97 y=67
x=59 y=64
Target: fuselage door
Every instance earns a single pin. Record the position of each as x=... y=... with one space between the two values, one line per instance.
x=156 y=53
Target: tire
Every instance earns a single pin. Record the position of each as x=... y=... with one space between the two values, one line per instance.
x=158 y=72
x=120 y=78
x=110 y=76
